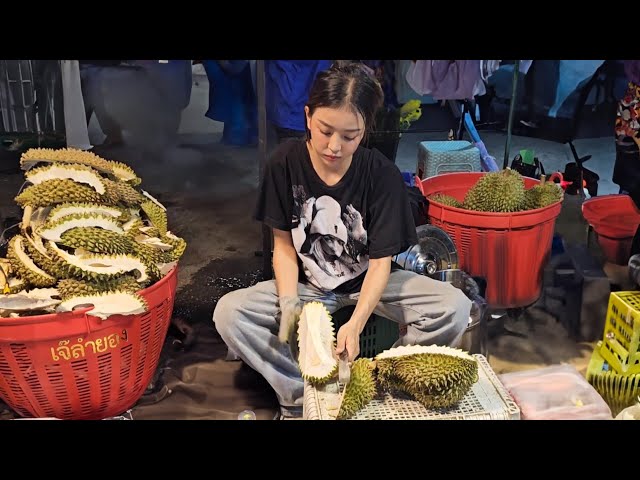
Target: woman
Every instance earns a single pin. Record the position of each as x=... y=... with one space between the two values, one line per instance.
x=339 y=212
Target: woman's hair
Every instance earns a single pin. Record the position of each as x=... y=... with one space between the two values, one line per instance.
x=347 y=85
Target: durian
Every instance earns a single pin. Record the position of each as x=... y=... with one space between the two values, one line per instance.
x=122 y=192
x=107 y=304
x=65 y=209
x=119 y=170
x=97 y=240
x=361 y=388
x=38 y=253
x=70 y=287
x=435 y=376
x=542 y=195
x=54 y=230
x=179 y=246
x=24 y=267
x=445 y=200
x=157 y=215
x=53 y=192
x=501 y=191
x=316 y=342
x=98 y=267
x=77 y=173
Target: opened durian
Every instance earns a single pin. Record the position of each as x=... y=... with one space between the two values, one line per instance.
x=119 y=170
x=52 y=192
x=100 y=244
x=361 y=388
x=77 y=173
x=435 y=376
x=107 y=304
x=316 y=343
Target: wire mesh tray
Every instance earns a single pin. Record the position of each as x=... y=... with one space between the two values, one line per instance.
x=487 y=400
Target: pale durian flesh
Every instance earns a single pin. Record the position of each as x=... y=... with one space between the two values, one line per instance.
x=435 y=376
x=78 y=173
x=107 y=304
x=24 y=267
x=54 y=230
x=316 y=342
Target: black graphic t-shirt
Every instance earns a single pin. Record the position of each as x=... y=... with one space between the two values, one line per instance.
x=336 y=229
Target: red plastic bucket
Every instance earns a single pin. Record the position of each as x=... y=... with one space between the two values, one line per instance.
x=508 y=249
x=614 y=219
x=76 y=366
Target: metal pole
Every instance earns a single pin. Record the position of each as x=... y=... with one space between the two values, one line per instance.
x=512 y=107
x=267 y=271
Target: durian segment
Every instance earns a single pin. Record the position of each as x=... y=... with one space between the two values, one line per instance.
x=71 y=287
x=543 y=195
x=98 y=267
x=24 y=267
x=179 y=246
x=132 y=227
x=360 y=390
x=77 y=173
x=107 y=304
x=97 y=240
x=53 y=230
x=53 y=192
x=65 y=209
x=501 y=191
x=316 y=341
x=16 y=285
x=38 y=253
x=38 y=217
x=157 y=215
x=435 y=376
x=445 y=200
x=154 y=200
x=122 y=192
x=71 y=155
x=22 y=303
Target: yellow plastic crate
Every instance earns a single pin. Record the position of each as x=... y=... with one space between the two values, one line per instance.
x=619 y=391
x=622 y=333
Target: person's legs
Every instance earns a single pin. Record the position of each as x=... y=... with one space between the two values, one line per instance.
x=246 y=319
x=428 y=311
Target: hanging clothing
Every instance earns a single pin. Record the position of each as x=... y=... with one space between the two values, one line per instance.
x=446 y=79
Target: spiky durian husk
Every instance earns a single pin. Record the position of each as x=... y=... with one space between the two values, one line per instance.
x=179 y=246
x=445 y=200
x=97 y=240
x=65 y=209
x=437 y=377
x=24 y=267
x=157 y=216
x=360 y=390
x=71 y=155
x=122 y=192
x=541 y=196
x=53 y=192
x=38 y=252
x=96 y=267
x=150 y=231
x=77 y=173
x=131 y=228
x=107 y=304
x=71 y=287
x=16 y=285
x=501 y=191
x=316 y=342
x=54 y=230
x=148 y=253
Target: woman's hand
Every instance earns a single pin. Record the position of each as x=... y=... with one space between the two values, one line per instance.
x=349 y=340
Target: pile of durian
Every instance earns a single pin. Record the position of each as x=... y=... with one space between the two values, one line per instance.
x=504 y=191
x=89 y=236
x=438 y=377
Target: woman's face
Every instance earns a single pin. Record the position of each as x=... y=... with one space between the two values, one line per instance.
x=335 y=135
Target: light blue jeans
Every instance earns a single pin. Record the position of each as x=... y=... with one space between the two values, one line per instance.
x=427 y=311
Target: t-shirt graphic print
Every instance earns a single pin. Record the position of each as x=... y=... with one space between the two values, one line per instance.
x=331 y=242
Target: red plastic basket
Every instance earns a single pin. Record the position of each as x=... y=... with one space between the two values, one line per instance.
x=614 y=219
x=508 y=249
x=75 y=366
